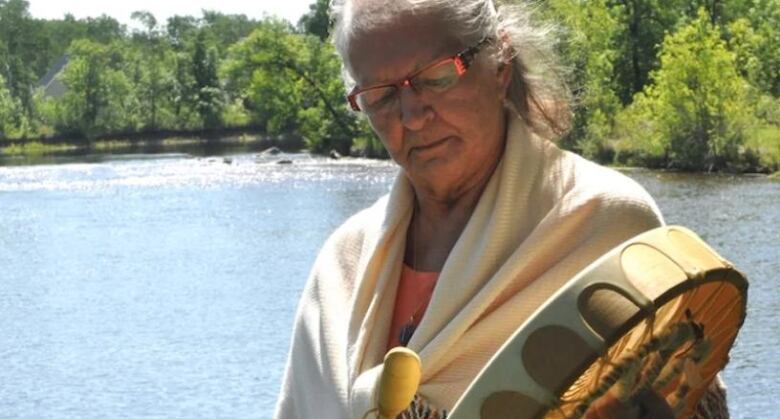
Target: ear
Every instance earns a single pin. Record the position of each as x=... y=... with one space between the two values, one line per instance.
x=505 y=70
x=506 y=63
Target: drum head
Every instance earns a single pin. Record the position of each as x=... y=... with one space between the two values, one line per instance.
x=660 y=312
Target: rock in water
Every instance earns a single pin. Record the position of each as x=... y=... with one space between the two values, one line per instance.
x=271 y=151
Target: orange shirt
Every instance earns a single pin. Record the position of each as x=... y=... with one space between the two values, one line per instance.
x=414 y=293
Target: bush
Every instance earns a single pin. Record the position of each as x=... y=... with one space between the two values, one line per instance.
x=697 y=113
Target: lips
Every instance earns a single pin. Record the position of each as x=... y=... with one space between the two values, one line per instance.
x=430 y=145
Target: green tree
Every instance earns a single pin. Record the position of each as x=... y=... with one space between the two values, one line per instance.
x=181 y=30
x=207 y=89
x=744 y=43
x=103 y=29
x=59 y=34
x=148 y=21
x=152 y=67
x=592 y=29
x=8 y=111
x=316 y=22
x=99 y=97
x=252 y=72
x=335 y=127
x=644 y=24
x=756 y=40
x=290 y=83
x=23 y=42
x=696 y=114
x=225 y=30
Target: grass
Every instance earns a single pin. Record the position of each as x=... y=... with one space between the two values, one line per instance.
x=766 y=141
x=35 y=148
x=247 y=139
x=173 y=141
x=112 y=145
x=32 y=148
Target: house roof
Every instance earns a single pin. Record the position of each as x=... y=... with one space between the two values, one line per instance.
x=51 y=82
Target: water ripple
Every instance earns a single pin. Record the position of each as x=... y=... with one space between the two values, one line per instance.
x=166 y=287
x=233 y=171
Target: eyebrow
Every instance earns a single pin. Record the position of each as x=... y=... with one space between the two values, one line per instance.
x=418 y=66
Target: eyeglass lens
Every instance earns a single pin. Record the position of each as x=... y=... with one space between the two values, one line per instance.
x=437 y=78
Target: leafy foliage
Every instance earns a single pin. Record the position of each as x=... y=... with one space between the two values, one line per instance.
x=756 y=40
x=643 y=25
x=592 y=30
x=672 y=83
x=697 y=112
x=98 y=98
x=290 y=84
x=629 y=60
x=316 y=21
x=206 y=89
x=20 y=36
x=8 y=109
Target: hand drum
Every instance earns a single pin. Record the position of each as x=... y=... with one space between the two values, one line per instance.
x=659 y=312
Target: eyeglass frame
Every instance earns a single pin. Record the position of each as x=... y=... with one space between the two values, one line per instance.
x=463 y=61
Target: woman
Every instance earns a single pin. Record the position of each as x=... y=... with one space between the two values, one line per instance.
x=485 y=212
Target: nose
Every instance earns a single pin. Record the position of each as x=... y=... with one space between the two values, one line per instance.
x=415 y=112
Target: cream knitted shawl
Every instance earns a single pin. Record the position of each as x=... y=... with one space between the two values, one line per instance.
x=544 y=215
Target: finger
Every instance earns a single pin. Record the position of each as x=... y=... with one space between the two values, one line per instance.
x=609 y=407
x=653 y=406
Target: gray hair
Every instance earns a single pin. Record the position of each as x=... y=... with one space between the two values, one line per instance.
x=537 y=91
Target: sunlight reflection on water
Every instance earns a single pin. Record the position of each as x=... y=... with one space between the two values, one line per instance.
x=200 y=172
x=165 y=287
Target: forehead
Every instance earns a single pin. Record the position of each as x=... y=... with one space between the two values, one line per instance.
x=394 y=49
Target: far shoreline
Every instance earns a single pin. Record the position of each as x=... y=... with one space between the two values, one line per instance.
x=211 y=143
x=201 y=143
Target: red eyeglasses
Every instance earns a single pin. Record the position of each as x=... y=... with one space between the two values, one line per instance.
x=436 y=77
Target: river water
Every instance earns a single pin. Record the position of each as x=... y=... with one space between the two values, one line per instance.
x=164 y=287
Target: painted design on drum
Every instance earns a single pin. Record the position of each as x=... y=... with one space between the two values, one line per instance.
x=422 y=409
x=667 y=309
x=506 y=404
x=549 y=367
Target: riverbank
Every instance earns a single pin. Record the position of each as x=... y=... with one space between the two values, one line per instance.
x=202 y=143
x=760 y=158
x=36 y=148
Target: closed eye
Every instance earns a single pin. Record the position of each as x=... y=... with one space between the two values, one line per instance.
x=436 y=84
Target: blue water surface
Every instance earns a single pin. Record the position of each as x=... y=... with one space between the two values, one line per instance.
x=166 y=287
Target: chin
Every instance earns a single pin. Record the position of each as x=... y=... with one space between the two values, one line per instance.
x=438 y=173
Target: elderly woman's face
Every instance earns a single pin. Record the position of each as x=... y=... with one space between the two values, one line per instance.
x=445 y=141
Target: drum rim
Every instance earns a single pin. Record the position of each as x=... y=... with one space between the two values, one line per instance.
x=725 y=273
